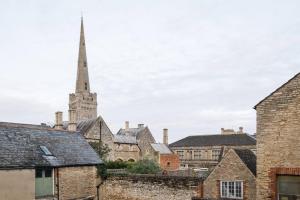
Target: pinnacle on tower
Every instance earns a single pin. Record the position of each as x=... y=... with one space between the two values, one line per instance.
x=82 y=80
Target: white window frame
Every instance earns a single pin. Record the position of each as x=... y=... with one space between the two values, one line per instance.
x=227 y=191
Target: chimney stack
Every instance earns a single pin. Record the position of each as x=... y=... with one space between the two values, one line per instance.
x=72 y=126
x=241 y=131
x=140 y=125
x=165 y=136
x=126 y=125
x=58 y=120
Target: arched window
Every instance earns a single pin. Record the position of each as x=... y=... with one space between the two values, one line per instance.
x=85 y=86
x=131 y=160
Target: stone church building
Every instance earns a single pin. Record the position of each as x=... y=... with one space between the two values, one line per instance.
x=129 y=144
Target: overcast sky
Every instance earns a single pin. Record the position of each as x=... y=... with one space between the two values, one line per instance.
x=192 y=66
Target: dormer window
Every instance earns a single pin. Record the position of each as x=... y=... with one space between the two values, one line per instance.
x=85 y=86
x=46 y=151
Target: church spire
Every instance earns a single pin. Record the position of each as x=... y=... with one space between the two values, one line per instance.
x=82 y=80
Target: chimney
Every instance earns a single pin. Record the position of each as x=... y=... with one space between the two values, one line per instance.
x=241 y=130
x=165 y=136
x=126 y=125
x=222 y=131
x=58 y=120
x=140 y=125
x=72 y=126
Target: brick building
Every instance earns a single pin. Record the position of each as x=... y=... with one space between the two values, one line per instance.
x=233 y=178
x=278 y=143
x=40 y=162
x=206 y=151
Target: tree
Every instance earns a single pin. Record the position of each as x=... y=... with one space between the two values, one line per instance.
x=145 y=166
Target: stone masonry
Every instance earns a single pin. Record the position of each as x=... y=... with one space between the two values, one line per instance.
x=77 y=182
x=150 y=188
x=278 y=137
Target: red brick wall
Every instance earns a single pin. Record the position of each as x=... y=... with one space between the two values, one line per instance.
x=169 y=162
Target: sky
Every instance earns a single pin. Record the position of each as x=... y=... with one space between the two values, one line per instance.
x=192 y=66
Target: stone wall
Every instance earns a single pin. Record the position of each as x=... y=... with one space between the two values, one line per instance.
x=93 y=134
x=150 y=188
x=278 y=138
x=145 y=139
x=229 y=169
x=77 y=182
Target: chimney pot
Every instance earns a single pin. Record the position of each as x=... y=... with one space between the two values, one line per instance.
x=241 y=129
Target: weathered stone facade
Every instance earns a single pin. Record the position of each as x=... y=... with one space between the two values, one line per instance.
x=76 y=182
x=278 y=137
x=127 y=152
x=230 y=168
x=150 y=188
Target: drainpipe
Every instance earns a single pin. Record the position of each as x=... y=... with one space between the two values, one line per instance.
x=57 y=184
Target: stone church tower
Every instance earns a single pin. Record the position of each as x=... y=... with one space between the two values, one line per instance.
x=83 y=102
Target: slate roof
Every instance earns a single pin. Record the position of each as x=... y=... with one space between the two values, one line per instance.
x=125 y=139
x=20 y=147
x=161 y=148
x=215 y=140
x=131 y=131
x=248 y=157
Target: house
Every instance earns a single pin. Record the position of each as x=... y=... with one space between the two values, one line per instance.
x=278 y=143
x=142 y=136
x=206 y=151
x=41 y=162
x=233 y=178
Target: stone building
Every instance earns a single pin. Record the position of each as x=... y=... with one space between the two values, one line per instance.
x=233 y=178
x=278 y=143
x=141 y=135
x=41 y=162
x=206 y=151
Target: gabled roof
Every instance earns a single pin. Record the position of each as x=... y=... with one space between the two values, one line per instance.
x=125 y=139
x=161 y=148
x=249 y=159
x=283 y=85
x=20 y=147
x=215 y=140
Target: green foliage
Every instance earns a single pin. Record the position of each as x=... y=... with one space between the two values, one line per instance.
x=102 y=171
x=116 y=164
x=101 y=149
x=145 y=166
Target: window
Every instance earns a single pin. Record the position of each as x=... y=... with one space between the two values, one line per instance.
x=84 y=64
x=180 y=154
x=85 y=86
x=38 y=173
x=48 y=173
x=197 y=155
x=46 y=151
x=288 y=187
x=232 y=189
x=215 y=154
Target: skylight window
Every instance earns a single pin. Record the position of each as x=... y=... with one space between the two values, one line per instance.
x=46 y=151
